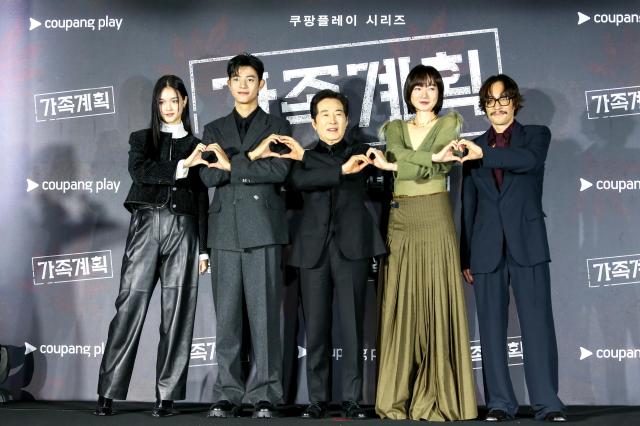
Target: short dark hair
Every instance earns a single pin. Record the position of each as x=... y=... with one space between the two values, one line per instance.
x=176 y=84
x=511 y=90
x=423 y=74
x=328 y=94
x=244 y=60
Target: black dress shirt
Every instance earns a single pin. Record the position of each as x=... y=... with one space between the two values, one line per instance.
x=243 y=123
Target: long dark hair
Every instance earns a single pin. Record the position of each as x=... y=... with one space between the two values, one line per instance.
x=176 y=84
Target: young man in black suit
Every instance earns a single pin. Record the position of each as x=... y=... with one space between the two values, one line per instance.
x=247 y=229
x=505 y=243
x=336 y=238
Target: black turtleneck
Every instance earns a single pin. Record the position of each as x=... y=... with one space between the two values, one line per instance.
x=339 y=149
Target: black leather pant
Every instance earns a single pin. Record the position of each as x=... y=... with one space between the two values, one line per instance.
x=159 y=245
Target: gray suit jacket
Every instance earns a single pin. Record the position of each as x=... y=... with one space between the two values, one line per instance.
x=247 y=209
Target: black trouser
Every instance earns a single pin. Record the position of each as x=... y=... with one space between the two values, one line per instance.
x=159 y=245
x=531 y=289
x=254 y=275
x=349 y=278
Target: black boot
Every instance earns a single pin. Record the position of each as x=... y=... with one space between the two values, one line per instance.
x=104 y=406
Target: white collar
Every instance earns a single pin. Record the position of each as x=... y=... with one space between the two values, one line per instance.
x=177 y=130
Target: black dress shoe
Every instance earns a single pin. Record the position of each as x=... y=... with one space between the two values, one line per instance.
x=104 y=406
x=496 y=415
x=555 y=416
x=264 y=410
x=224 y=409
x=352 y=410
x=315 y=410
x=163 y=408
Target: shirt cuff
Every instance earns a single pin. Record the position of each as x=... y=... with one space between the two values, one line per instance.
x=181 y=172
x=203 y=256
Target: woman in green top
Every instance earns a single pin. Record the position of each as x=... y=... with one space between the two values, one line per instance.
x=423 y=353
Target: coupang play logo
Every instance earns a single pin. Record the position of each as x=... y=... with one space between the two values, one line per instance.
x=615 y=185
x=102 y=23
x=616 y=354
x=609 y=18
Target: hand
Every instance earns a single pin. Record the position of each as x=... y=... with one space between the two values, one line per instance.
x=262 y=150
x=203 y=265
x=297 y=151
x=380 y=161
x=355 y=164
x=466 y=273
x=446 y=154
x=222 y=162
x=195 y=158
x=475 y=152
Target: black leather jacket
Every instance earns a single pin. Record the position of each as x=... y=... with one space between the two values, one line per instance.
x=153 y=171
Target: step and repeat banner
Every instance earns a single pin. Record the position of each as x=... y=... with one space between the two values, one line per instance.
x=76 y=78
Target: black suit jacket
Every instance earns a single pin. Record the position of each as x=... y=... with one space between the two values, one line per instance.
x=514 y=213
x=332 y=203
x=247 y=209
x=153 y=171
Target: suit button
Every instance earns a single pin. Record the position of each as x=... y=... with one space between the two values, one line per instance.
x=256 y=197
x=173 y=206
x=174 y=189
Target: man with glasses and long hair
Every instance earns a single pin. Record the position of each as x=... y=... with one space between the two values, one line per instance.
x=504 y=244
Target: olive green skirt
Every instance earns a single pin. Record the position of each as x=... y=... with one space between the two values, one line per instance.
x=423 y=355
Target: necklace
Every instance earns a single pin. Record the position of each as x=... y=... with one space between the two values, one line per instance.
x=421 y=125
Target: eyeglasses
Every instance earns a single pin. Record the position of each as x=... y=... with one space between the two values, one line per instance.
x=503 y=101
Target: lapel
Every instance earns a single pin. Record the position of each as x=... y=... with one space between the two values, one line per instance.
x=258 y=125
x=484 y=176
x=517 y=140
x=230 y=133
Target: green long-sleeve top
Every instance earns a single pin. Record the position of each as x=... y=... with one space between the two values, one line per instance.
x=417 y=174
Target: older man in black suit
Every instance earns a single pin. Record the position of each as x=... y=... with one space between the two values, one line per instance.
x=247 y=229
x=336 y=238
x=505 y=243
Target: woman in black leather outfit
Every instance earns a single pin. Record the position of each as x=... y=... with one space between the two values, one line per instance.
x=167 y=236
